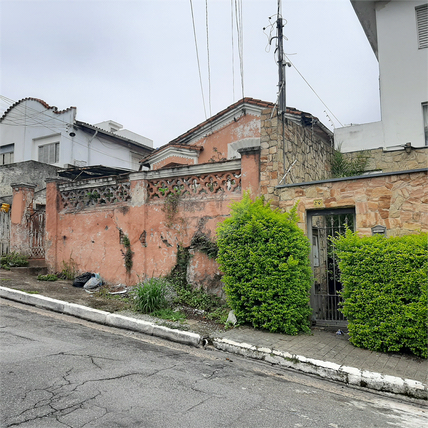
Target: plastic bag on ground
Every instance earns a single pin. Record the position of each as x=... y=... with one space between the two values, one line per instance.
x=93 y=282
x=82 y=279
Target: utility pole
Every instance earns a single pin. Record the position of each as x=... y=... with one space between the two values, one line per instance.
x=281 y=67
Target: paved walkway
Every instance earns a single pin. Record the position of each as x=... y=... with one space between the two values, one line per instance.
x=327 y=346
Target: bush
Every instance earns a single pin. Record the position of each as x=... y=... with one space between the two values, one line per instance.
x=385 y=291
x=13 y=260
x=153 y=294
x=265 y=260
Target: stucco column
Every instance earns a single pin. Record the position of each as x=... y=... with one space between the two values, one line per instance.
x=53 y=206
x=250 y=170
x=22 y=203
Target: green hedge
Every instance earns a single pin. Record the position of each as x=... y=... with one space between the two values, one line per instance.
x=264 y=257
x=385 y=291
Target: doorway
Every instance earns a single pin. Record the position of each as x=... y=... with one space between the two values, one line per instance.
x=325 y=294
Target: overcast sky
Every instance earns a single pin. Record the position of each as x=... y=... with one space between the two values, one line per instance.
x=135 y=61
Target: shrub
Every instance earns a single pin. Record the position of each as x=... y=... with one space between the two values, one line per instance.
x=385 y=291
x=152 y=294
x=13 y=259
x=265 y=260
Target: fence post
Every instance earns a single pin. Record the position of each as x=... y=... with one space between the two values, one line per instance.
x=22 y=204
x=53 y=206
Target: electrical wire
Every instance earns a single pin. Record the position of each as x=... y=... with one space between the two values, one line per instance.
x=62 y=136
x=313 y=90
x=233 y=52
x=208 y=57
x=240 y=34
x=197 y=57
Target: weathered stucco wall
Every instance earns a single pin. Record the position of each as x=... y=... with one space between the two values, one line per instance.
x=397 y=201
x=29 y=172
x=22 y=203
x=157 y=216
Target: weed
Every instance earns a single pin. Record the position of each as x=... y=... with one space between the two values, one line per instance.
x=127 y=254
x=152 y=294
x=169 y=314
x=13 y=259
x=30 y=292
x=48 y=277
x=69 y=269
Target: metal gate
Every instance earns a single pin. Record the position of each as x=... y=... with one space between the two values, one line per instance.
x=36 y=228
x=325 y=297
x=4 y=232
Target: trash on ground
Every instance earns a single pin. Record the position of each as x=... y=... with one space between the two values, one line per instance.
x=82 y=279
x=93 y=282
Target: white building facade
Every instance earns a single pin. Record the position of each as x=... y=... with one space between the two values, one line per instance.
x=398 y=34
x=32 y=130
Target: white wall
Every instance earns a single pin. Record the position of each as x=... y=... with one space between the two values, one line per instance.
x=403 y=73
x=31 y=124
x=403 y=70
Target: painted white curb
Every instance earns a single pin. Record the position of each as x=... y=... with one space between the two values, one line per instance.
x=102 y=317
x=328 y=370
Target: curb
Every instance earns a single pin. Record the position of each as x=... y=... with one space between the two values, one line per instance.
x=102 y=317
x=325 y=369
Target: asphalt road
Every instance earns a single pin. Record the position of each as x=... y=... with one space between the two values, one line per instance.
x=59 y=371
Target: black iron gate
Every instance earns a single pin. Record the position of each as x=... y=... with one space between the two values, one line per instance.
x=325 y=297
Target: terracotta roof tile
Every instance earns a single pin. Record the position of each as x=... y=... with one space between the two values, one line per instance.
x=43 y=103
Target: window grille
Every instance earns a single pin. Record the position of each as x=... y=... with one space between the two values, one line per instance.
x=422 y=24
x=49 y=153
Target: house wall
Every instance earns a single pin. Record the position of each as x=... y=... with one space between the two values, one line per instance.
x=403 y=69
x=245 y=126
x=397 y=201
x=41 y=124
x=394 y=160
x=30 y=171
x=281 y=146
x=90 y=232
x=403 y=73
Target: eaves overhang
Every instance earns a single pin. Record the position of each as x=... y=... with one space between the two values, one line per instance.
x=113 y=137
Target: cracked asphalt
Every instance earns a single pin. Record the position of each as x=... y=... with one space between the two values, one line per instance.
x=59 y=371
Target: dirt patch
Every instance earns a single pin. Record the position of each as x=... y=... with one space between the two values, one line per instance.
x=19 y=279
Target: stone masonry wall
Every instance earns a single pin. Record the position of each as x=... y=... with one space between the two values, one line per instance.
x=397 y=201
x=397 y=160
x=281 y=147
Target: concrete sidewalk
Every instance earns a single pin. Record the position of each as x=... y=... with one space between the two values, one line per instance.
x=323 y=353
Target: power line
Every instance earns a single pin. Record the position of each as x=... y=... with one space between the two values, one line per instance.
x=42 y=124
x=313 y=90
x=233 y=52
x=240 y=34
x=208 y=57
x=197 y=57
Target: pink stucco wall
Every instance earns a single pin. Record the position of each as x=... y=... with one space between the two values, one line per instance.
x=91 y=237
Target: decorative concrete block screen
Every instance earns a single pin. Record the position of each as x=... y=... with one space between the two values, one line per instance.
x=92 y=196
x=193 y=185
